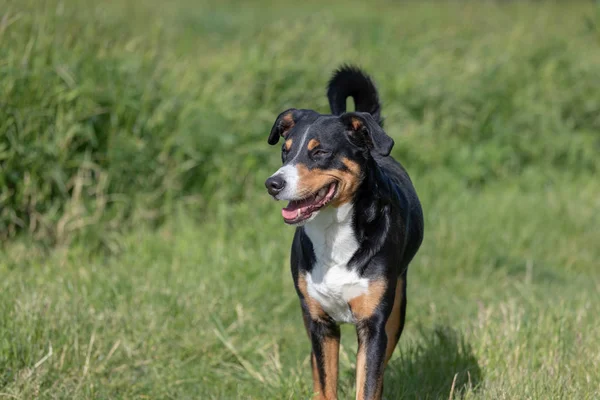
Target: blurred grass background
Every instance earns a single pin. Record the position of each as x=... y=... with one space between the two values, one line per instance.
x=141 y=257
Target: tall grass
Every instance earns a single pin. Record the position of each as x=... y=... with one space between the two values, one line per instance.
x=112 y=112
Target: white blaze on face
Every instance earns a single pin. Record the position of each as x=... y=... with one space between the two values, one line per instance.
x=289 y=173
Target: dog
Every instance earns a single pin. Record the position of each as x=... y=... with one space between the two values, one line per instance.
x=359 y=223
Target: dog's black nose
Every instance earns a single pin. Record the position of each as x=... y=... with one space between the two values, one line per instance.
x=275 y=184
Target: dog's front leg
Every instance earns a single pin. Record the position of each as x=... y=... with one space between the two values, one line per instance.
x=370 y=360
x=325 y=339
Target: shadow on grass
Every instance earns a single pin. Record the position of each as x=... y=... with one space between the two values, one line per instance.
x=427 y=368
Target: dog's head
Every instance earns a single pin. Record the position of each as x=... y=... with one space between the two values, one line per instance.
x=324 y=157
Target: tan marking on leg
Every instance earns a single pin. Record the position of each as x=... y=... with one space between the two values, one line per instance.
x=393 y=323
x=288 y=144
x=364 y=306
x=312 y=143
x=314 y=308
x=315 y=376
x=361 y=371
x=330 y=348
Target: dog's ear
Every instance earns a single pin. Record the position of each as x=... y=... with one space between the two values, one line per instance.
x=365 y=132
x=283 y=124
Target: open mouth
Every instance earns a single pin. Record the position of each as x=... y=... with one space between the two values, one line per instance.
x=301 y=210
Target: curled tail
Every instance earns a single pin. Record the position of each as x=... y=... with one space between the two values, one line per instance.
x=351 y=81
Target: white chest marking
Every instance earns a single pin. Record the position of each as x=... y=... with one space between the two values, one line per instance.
x=330 y=282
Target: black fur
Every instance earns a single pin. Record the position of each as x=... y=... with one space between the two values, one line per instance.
x=369 y=133
x=350 y=81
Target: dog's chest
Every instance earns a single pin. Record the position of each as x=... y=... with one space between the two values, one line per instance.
x=330 y=282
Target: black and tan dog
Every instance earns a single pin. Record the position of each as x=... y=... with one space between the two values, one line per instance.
x=359 y=224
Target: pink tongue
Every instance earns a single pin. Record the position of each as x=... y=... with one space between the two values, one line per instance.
x=289 y=214
x=291 y=211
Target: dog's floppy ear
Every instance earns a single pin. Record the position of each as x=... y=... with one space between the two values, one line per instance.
x=283 y=124
x=365 y=132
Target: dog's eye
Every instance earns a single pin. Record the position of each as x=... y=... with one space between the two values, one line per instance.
x=321 y=153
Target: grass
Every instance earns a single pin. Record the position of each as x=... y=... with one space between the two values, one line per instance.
x=142 y=258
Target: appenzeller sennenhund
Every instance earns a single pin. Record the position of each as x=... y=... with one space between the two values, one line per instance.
x=358 y=224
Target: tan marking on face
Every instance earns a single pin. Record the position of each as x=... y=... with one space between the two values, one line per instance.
x=314 y=308
x=288 y=144
x=350 y=181
x=311 y=181
x=312 y=143
x=364 y=306
x=392 y=325
x=356 y=123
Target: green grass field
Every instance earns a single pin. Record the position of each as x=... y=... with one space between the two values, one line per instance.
x=143 y=259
